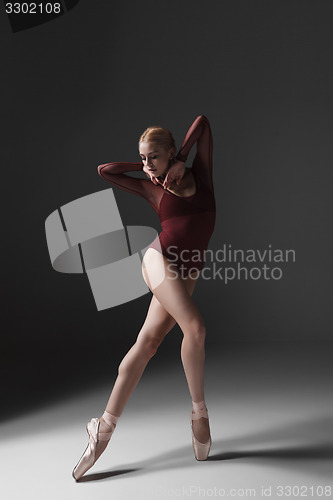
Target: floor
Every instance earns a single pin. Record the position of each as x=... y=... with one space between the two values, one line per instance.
x=271 y=418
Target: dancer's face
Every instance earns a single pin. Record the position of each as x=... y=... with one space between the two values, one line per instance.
x=155 y=157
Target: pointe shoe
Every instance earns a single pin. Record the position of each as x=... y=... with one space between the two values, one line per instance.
x=89 y=456
x=201 y=450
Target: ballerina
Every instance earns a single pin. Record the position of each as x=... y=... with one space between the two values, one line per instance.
x=184 y=199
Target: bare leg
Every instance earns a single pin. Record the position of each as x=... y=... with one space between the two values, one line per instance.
x=174 y=297
x=157 y=324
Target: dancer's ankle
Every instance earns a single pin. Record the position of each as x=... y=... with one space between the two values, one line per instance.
x=109 y=419
x=198 y=405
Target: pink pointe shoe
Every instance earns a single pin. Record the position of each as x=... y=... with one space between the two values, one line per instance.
x=89 y=456
x=201 y=450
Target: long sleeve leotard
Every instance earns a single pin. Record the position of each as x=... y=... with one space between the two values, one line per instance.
x=187 y=221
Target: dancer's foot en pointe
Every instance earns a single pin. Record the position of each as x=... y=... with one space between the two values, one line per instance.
x=200 y=427
x=100 y=431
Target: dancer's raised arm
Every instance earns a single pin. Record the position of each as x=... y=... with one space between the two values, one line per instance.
x=199 y=133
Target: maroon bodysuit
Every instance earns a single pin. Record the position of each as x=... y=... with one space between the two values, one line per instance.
x=187 y=221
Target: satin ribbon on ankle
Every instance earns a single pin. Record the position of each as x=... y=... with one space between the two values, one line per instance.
x=199 y=410
x=110 y=419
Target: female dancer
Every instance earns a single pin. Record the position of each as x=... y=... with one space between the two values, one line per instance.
x=184 y=200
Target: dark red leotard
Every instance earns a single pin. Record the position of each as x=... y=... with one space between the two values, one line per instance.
x=187 y=222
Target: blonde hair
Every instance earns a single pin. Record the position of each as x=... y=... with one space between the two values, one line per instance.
x=159 y=135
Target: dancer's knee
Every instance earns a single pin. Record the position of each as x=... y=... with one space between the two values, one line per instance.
x=137 y=357
x=196 y=332
x=148 y=346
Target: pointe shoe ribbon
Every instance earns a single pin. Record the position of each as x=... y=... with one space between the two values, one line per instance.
x=199 y=413
x=88 y=458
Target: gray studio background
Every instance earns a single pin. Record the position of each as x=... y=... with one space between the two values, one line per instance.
x=78 y=92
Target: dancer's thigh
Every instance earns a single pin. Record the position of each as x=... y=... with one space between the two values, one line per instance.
x=170 y=291
x=158 y=321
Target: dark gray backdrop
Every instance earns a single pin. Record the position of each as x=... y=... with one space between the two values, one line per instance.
x=79 y=90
